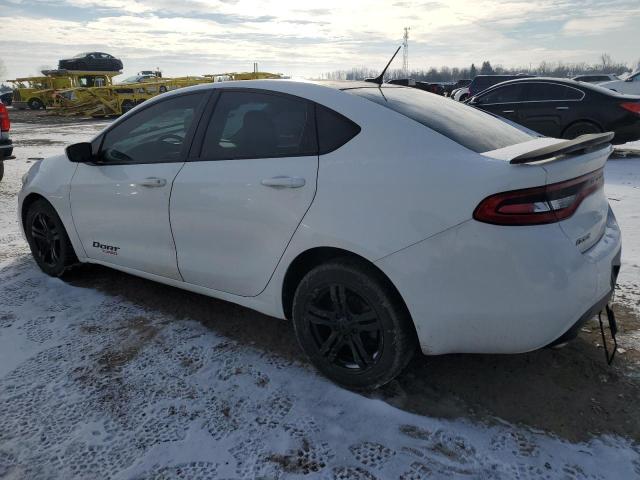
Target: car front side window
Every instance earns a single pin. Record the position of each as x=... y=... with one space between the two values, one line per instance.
x=506 y=94
x=156 y=134
x=249 y=124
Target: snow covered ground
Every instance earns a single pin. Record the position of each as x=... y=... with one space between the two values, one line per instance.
x=97 y=385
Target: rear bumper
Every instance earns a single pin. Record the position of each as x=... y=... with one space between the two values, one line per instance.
x=480 y=288
x=627 y=133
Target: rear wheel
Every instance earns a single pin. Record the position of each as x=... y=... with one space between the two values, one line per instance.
x=35 y=104
x=580 y=128
x=48 y=239
x=352 y=325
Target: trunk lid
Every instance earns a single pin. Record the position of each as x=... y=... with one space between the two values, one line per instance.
x=562 y=161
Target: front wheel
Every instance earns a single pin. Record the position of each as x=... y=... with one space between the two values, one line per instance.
x=48 y=239
x=352 y=325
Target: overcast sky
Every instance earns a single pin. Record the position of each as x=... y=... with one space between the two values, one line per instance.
x=308 y=38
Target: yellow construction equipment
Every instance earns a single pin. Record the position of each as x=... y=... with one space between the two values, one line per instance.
x=39 y=91
x=114 y=100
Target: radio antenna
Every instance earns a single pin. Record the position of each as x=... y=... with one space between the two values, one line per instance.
x=380 y=78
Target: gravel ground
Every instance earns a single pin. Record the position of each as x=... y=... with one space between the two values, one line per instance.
x=105 y=375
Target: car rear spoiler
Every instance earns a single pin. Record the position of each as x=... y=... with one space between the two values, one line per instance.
x=581 y=144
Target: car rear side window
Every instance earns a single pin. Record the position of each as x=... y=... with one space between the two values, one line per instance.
x=334 y=130
x=249 y=124
x=540 y=91
x=471 y=128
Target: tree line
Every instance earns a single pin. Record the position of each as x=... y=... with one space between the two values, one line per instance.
x=452 y=74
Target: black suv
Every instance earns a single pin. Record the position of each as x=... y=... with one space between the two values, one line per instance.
x=92 y=62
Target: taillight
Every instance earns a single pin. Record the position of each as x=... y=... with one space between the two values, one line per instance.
x=5 y=124
x=631 y=106
x=539 y=205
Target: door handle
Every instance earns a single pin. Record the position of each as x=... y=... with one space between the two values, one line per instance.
x=508 y=111
x=562 y=108
x=153 y=182
x=283 y=182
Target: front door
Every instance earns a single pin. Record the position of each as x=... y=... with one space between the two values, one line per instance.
x=502 y=101
x=236 y=206
x=120 y=204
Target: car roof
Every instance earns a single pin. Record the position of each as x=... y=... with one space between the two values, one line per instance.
x=590 y=87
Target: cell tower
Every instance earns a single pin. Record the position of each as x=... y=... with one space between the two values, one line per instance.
x=405 y=52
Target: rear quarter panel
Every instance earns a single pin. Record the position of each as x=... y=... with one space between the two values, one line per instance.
x=393 y=185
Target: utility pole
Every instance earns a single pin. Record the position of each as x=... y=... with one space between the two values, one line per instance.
x=405 y=52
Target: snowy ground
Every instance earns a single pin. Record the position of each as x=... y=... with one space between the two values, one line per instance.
x=104 y=375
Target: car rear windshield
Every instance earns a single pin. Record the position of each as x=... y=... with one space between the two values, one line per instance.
x=471 y=128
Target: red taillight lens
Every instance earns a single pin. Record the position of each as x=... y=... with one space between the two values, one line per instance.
x=539 y=205
x=5 y=124
x=631 y=106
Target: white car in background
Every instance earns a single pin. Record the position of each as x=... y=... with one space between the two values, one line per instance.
x=629 y=85
x=376 y=218
x=596 y=78
x=460 y=94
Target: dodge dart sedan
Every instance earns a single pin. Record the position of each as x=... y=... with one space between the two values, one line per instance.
x=378 y=219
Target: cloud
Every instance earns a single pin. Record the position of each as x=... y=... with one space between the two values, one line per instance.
x=198 y=36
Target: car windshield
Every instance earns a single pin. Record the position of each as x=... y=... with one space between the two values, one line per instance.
x=471 y=128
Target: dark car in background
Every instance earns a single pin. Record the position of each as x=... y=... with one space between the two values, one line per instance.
x=563 y=108
x=482 y=82
x=6 y=95
x=91 y=61
x=436 y=88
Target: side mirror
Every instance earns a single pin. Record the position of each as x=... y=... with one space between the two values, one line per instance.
x=80 y=152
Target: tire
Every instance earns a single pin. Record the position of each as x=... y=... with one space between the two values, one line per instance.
x=580 y=128
x=48 y=239
x=35 y=104
x=1 y=170
x=127 y=105
x=352 y=325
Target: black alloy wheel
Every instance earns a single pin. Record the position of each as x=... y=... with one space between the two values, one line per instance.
x=345 y=329
x=352 y=324
x=48 y=240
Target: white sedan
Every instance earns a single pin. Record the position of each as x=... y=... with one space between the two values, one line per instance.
x=377 y=219
x=629 y=84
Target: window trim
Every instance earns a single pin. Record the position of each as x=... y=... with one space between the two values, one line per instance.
x=198 y=142
x=535 y=101
x=188 y=139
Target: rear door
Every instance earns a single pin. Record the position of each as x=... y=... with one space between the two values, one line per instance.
x=548 y=108
x=237 y=203
x=120 y=205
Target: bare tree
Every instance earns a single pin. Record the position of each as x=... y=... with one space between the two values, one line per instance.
x=605 y=58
